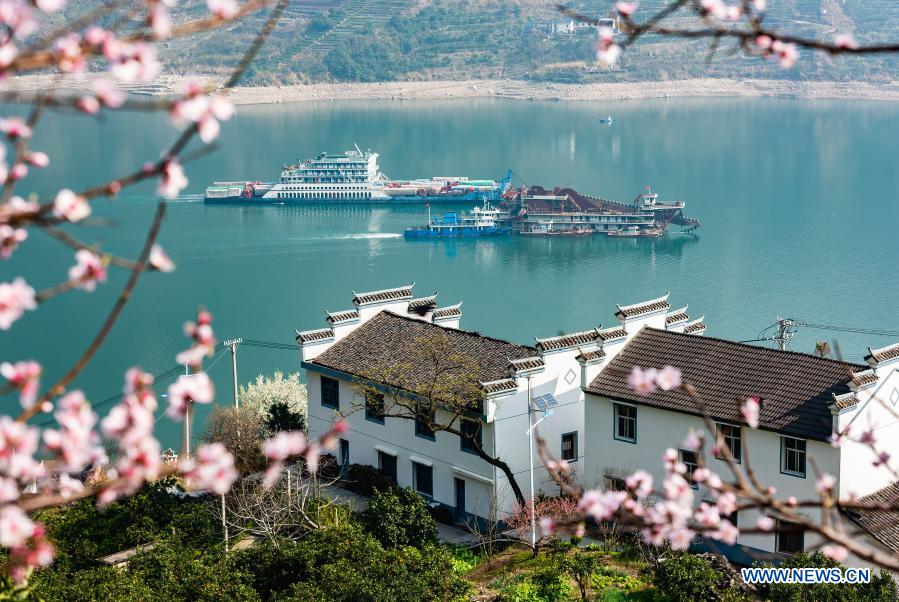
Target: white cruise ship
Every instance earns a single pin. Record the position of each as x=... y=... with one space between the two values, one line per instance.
x=349 y=177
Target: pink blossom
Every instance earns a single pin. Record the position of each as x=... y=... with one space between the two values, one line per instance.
x=824 y=484
x=9 y=490
x=792 y=501
x=88 y=271
x=70 y=206
x=50 y=6
x=38 y=158
x=845 y=40
x=89 y=105
x=727 y=503
x=8 y=53
x=640 y=482
x=36 y=552
x=24 y=376
x=132 y=62
x=15 y=526
x=193 y=388
x=159 y=260
x=692 y=441
x=712 y=481
x=76 y=443
x=16 y=298
x=676 y=488
x=160 y=21
x=10 y=238
x=708 y=516
x=867 y=437
x=701 y=474
x=750 y=411
x=212 y=469
x=601 y=505
x=642 y=381
x=96 y=35
x=668 y=378
x=70 y=58
x=14 y=127
x=18 y=444
x=173 y=180
x=18 y=171
x=108 y=94
x=17 y=207
x=765 y=523
x=882 y=459
x=787 y=53
x=204 y=111
x=764 y=42
x=680 y=538
x=759 y=5
x=140 y=462
x=626 y=9
x=727 y=533
x=284 y=445
x=547 y=526
x=223 y=9
x=835 y=552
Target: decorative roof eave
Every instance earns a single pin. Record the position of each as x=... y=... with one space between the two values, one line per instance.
x=314 y=336
x=342 y=317
x=448 y=313
x=382 y=296
x=591 y=357
x=527 y=366
x=843 y=402
x=611 y=334
x=496 y=388
x=644 y=308
x=566 y=341
x=882 y=355
x=677 y=316
x=695 y=327
x=423 y=303
x=863 y=379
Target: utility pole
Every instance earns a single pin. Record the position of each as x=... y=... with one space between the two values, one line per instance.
x=188 y=415
x=224 y=523
x=233 y=343
x=785 y=331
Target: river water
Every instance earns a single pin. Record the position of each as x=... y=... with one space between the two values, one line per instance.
x=799 y=204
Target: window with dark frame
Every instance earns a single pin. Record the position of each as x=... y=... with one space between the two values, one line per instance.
x=733 y=439
x=424 y=479
x=374 y=406
x=569 y=447
x=790 y=537
x=792 y=456
x=387 y=465
x=471 y=435
x=691 y=461
x=423 y=421
x=330 y=390
x=625 y=423
x=616 y=483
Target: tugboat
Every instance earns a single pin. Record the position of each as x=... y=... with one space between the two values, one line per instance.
x=480 y=222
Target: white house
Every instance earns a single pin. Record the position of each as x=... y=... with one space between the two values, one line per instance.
x=805 y=398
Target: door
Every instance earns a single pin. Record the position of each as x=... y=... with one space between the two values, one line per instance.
x=344 y=457
x=460 y=499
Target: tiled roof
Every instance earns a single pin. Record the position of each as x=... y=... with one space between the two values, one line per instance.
x=564 y=341
x=388 y=294
x=796 y=388
x=448 y=312
x=589 y=356
x=394 y=350
x=423 y=304
x=338 y=317
x=527 y=363
x=678 y=315
x=617 y=332
x=884 y=353
x=308 y=336
x=694 y=327
x=882 y=525
x=864 y=378
x=845 y=401
x=646 y=307
x=500 y=386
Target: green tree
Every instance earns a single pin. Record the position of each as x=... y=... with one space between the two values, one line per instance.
x=281 y=418
x=684 y=577
x=266 y=391
x=881 y=588
x=398 y=518
x=579 y=566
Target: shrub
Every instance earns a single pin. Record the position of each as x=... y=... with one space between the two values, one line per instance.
x=607 y=578
x=524 y=591
x=683 y=577
x=551 y=584
x=398 y=518
x=281 y=418
x=881 y=588
x=365 y=480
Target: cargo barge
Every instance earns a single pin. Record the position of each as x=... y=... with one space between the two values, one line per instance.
x=352 y=177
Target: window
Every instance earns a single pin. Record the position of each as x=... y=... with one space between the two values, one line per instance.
x=374 y=407
x=625 y=423
x=789 y=537
x=691 y=461
x=387 y=465
x=330 y=393
x=471 y=429
x=732 y=437
x=616 y=483
x=792 y=456
x=424 y=479
x=423 y=420
x=569 y=447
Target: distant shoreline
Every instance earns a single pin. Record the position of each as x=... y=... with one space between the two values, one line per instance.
x=509 y=89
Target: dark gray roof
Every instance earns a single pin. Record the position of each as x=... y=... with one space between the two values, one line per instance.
x=884 y=353
x=388 y=294
x=389 y=348
x=795 y=388
x=881 y=524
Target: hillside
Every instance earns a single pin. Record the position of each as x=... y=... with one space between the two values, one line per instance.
x=383 y=40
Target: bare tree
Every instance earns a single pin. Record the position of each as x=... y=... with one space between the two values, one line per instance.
x=242 y=432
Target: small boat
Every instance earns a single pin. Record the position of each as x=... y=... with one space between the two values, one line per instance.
x=551 y=228
x=628 y=232
x=480 y=222
x=607 y=121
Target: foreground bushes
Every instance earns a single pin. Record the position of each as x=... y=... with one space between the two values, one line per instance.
x=398 y=518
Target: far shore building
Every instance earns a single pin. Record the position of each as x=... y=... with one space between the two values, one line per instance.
x=371 y=354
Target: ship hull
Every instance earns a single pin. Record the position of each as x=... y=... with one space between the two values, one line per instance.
x=471 y=197
x=455 y=232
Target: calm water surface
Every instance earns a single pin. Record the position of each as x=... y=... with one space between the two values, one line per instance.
x=799 y=203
